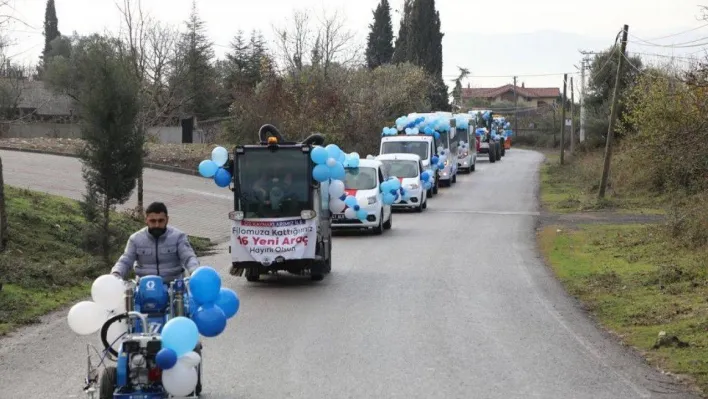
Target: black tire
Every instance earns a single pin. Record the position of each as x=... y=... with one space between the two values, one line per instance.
x=316 y=276
x=473 y=166
x=108 y=383
x=437 y=184
x=198 y=388
x=492 y=157
x=430 y=193
x=425 y=203
x=328 y=260
x=454 y=179
x=378 y=230
x=253 y=275
x=389 y=223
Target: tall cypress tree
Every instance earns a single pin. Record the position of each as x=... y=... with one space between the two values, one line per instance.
x=51 y=32
x=379 y=49
x=401 y=51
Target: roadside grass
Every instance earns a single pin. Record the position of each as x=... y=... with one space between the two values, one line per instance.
x=638 y=284
x=48 y=263
x=573 y=187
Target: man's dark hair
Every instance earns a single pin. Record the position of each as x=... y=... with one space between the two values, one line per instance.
x=156 y=207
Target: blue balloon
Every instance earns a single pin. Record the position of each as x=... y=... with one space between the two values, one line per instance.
x=180 y=334
x=219 y=155
x=425 y=176
x=388 y=198
x=361 y=214
x=350 y=201
x=337 y=172
x=434 y=160
x=319 y=155
x=321 y=173
x=207 y=168
x=354 y=162
x=342 y=157
x=166 y=358
x=333 y=151
x=228 y=302
x=210 y=320
x=222 y=178
x=205 y=285
x=356 y=207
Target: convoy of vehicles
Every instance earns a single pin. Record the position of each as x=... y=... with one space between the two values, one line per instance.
x=288 y=197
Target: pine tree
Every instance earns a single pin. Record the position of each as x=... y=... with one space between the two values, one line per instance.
x=379 y=49
x=196 y=78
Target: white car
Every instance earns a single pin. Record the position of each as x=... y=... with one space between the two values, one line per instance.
x=421 y=145
x=407 y=168
x=364 y=183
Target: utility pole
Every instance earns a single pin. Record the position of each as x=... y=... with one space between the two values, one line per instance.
x=613 y=115
x=516 y=118
x=565 y=84
x=582 y=98
x=572 y=117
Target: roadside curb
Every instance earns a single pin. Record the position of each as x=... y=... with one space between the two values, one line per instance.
x=166 y=168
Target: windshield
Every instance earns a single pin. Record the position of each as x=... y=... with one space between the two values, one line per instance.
x=273 y=184
x=360 y=178
x=419 y=148
x=461 y=135
x=404 y=169
x=444 y=140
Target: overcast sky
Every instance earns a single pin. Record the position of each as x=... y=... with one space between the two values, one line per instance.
x=523 y=38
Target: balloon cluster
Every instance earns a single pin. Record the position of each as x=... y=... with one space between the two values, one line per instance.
x=213 y=168
x=431 y=125
x=462 y=122
x=210 y=306
x=330 y=163
x=393 y=191
x=426 y=177
x=87 y=317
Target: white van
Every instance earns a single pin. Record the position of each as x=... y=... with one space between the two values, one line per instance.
x=421 y=145
x=407 y=168
x=364 y=183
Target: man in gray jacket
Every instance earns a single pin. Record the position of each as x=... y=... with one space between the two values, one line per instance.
x=158 y=249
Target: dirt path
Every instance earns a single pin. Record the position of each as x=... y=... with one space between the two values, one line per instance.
x=601 y=217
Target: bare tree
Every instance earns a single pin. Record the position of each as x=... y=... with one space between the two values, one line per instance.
x=328 y=42
x=152 y=47
x=294 y=42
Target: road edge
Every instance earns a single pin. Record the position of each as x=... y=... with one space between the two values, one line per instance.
x=166 y=168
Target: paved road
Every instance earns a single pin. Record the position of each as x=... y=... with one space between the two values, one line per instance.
x=451 y=303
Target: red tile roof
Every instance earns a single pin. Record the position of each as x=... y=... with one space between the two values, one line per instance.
x=491 y=92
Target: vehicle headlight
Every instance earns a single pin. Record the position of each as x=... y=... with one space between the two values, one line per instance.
x=446 y=162
x=236 y=215
x=371 y=200
x=308 y=214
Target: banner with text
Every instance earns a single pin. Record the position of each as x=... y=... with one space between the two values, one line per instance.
x=263 y=240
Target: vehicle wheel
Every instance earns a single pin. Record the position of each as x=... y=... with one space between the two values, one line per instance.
x=429 y=193
x=454 y=178
x=316 y=276
x=379 y=229
x=107 y=383
x=437 y=184
x=388 y=224
x=328 y=260
x=253 y=274
x=473 y=166
x=198 y=388
x=492 y=157
x=498 y=156
x=425 y=204
x=419 y=208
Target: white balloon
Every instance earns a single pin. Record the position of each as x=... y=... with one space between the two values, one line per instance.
x=116 y=334
x=354 y=155
x=331 y=162
x=336 y=205
x=350 y=213
x=180 y=380
x=190 y=359
x=363 y=202
x=108 y=291
x=86 y=317
x=336 y=188
x=369 y=156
